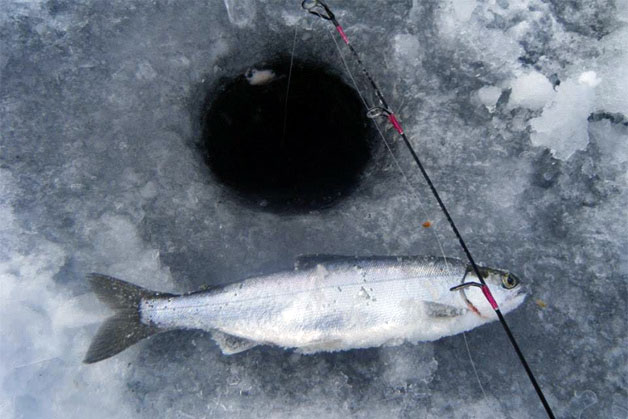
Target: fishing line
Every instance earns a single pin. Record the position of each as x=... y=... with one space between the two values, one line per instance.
x=411 y=186
x=475 y=371
x=285 y=106
x=320 y=9
x=413 y=191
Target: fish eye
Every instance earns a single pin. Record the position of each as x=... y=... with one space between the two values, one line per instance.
x=510 y=281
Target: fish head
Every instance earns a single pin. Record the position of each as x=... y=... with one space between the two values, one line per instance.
x=505 y=287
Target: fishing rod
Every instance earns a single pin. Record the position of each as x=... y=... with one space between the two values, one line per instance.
x=320 y=9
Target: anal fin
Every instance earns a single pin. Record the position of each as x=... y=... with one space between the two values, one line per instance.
x=323 y=345
x=230 y=345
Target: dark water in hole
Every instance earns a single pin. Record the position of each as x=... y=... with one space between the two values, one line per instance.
x=300 y=156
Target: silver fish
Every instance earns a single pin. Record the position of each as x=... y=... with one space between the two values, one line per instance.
x=327 y=303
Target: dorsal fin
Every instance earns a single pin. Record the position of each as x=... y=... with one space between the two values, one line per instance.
x=303 y=262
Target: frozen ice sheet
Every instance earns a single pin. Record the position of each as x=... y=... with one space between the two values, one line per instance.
x=99 y=171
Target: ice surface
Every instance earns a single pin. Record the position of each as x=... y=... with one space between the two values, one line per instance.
x=613 y=71
x=241 y=12
x=100 y=171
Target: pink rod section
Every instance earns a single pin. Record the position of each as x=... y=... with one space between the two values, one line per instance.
x=342 y=34
x=489 y=297
x=393 y=120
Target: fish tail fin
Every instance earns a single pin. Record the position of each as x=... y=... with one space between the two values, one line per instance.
x=125 y=327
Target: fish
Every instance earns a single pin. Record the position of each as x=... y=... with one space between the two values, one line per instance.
x=326 y=303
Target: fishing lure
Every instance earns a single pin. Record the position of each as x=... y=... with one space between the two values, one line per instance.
x=320 y=9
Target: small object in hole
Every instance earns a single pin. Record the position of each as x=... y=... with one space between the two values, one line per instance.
x=257 y=77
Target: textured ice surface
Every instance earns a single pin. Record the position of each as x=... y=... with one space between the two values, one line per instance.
x=99 y=171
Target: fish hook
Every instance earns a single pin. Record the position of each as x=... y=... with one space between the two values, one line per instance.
x=466 y=285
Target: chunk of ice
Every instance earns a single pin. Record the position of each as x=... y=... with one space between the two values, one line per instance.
x=563 y=126
x=489 y=95
x=531 y=90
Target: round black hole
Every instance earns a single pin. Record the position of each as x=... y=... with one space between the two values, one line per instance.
x=301 y=156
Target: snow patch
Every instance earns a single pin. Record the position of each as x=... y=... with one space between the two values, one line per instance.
x=563 y=126
x=44 y=333
x=531 y=90
x=589 y=78
x=497 y=50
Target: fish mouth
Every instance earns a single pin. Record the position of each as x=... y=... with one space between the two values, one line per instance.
x=518 y=298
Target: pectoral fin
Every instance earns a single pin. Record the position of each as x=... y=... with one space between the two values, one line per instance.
x=438 y=310
x=230 y=345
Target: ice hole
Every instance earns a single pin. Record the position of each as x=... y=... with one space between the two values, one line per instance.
x=283 y=146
